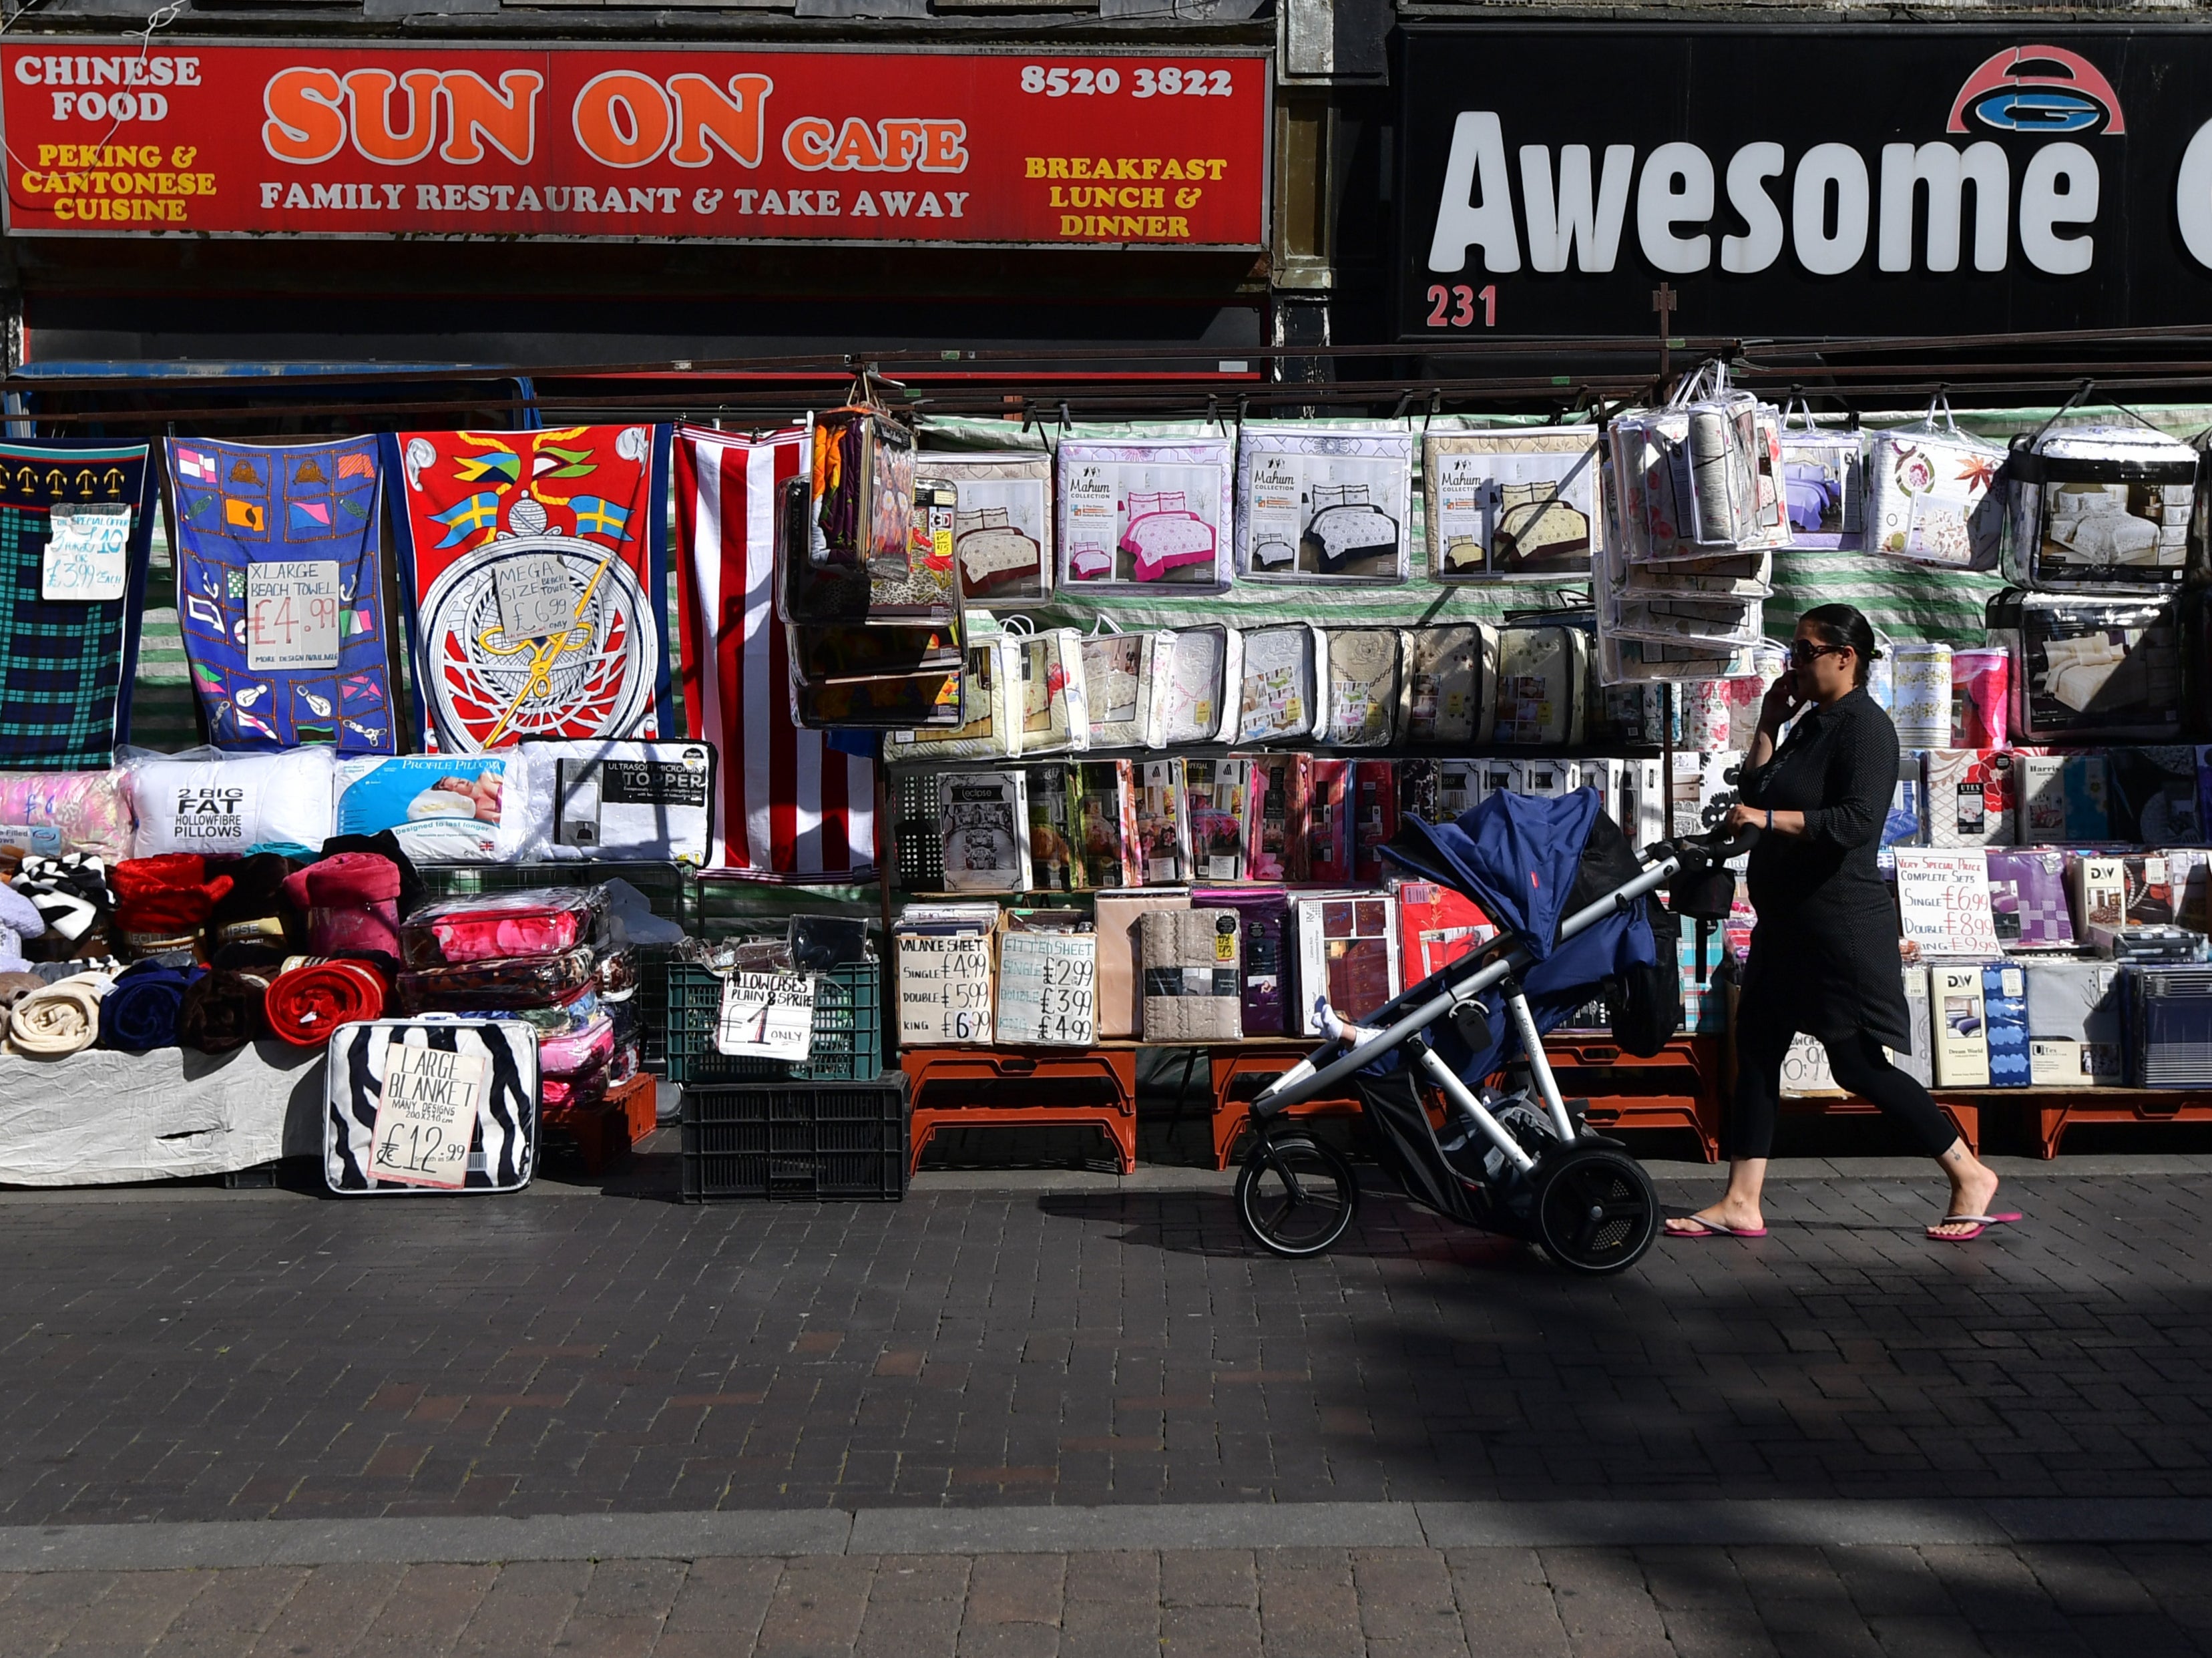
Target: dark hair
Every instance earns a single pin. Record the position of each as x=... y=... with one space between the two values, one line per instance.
x=1846 y=624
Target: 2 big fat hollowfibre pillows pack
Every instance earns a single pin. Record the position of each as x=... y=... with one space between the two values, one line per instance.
x=555 y=801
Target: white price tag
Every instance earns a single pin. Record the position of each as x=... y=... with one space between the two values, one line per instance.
x=292 y=614
x=766 y=1015
x=426 y=1119
x=85 y=553
x=536 y=595
x=1047 y=988
x=944 y=988
x=1943 y=903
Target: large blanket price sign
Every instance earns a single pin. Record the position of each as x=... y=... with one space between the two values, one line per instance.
x=582 y=142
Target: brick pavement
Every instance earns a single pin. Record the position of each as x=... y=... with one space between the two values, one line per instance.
x=1273 y=1603
x=249 y=1356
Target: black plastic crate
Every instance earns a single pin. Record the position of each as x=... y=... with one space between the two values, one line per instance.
x=848 y=1030
x=917 y=836
x=839 y=1140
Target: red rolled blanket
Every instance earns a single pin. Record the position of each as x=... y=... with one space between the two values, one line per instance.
x=306 y=1005
x=171 y=894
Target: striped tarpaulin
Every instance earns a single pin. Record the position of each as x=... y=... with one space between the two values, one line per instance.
x=791 y=807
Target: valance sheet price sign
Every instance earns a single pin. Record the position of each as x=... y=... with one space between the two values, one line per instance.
x=1808 y=180
x=955 y=147
x=945 y=988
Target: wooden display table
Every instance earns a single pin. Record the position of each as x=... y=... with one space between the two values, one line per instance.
x=1111 y=1068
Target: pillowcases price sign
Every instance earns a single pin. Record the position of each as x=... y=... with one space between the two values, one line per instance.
x=426 y=1117
x=766 y=1015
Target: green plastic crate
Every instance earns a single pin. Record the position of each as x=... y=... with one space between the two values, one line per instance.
x=848 y=1030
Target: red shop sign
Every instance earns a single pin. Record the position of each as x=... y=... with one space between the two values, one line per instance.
x=580 y=142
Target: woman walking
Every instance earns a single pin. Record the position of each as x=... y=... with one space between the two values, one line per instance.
x=1823 y=956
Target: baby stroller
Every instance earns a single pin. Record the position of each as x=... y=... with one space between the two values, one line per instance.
x=1568 y=893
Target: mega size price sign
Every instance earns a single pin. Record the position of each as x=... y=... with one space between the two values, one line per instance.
x=576 y=141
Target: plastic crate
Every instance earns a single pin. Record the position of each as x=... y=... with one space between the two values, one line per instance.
x=848 y=1030
x=917 y=836
x=796 y=1140
x=666 y=886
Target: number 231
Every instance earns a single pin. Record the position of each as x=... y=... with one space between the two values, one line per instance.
x=1453 y=308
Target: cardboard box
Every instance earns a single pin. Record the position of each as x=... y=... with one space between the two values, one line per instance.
x=1437 y=926
x=2027 y=900
x=1374 y=816
x=1961 y=1023
x=1121 y=971
x=2074 y=1018
x=2062 y=796
x=1213 y=800
x=1191 y=993
x=2097 y=890
x=1919 y=1062
x=1970 y=798
x=984 y=819
x=1106 y=824
x=1162 y=850
x=1329 y=844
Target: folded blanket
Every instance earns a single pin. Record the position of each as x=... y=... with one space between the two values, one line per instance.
x=222 y=1010
x=577 y=1051
x=537 y=981
x=169 y=894
x=139 y=1012
x=73 y=896
x=14 y=987
x=62 y=1020
x=306 y=1005
x=413 y=894
x=564 y=1095
x=543 y=921
x=254 y=906
x=260 y=958
x=181 y=946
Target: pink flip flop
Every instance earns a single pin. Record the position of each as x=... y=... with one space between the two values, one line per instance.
x=1712 y=1229
x=1980 y=1223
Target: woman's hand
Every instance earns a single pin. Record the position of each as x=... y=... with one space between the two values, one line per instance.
x=1781 y=700
x=1742 y=817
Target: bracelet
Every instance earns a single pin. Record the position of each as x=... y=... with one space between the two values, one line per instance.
x=1770 y=820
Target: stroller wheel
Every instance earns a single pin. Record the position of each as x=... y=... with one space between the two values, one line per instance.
x=1294 y=1195
x=1596 y=1211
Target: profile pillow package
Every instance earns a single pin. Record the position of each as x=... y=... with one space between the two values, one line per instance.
x=1277 y=703
x=206 y=801
x=1928 y=493
x=650 y=802
x=49 y=814
x=2099 y=507
x=1317 y=504
x=442 y=808
x=2087 y=667
x=1360 y=688
x=462 y=1115
x=1444 y=684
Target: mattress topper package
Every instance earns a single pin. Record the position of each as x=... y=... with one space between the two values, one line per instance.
x=204 y=800
x=1928 y=493
x=1317 y=504
x=51 y=814
x=1002 y=523
x=1512 y=505
x=2099 y=507
x=2089 y=667
x=1190 y=959
x=543 y=921
x=443 y=808
x=1140 y=511
x=280 y=593
x=1361 y=688
x=638 y=801
x=1444 y=684
x=431 y=1104
x=1278 y=702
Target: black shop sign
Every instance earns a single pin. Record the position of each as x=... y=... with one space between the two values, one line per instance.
x=1801 y=180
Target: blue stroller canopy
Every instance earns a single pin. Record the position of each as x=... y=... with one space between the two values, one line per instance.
x=1522 y=858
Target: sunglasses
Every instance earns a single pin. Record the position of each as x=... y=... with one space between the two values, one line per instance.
x=1804 y=650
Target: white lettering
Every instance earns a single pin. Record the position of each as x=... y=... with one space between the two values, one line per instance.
x=1748 y=171
x=2060 y=186
x=1820 y=252
x=1574 y=221
x=2192 y=196
x=1944 y=171
x=1677 y=188
x=1478 y=152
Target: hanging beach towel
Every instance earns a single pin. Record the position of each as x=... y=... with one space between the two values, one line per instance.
x=75 y=533
x=787 y=806
x=280 y=593
x=535 y=569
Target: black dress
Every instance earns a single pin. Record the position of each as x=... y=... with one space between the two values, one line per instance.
x=1824 y=955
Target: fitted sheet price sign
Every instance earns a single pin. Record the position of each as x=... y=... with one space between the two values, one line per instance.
x=766 y=1015
x=426 y=1118
x=85 y=553
x=292 y=614
x=944 y=988
x=1049 y=988
x=1943 y=903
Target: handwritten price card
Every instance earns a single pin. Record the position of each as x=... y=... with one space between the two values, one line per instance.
x=1049 y=988
x=536 y=595
x=766 y=1015
x=1943 y=902
x=944 y=988
x=292 y=614
x=427 y=1118
x=85 y=553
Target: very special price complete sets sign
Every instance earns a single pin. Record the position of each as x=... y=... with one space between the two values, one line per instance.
x=569 y=141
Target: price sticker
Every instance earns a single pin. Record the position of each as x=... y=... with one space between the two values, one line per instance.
x=85 y=553
x=766 y=1015
x=292 y=614
x=536 y=595
x=426 y=1118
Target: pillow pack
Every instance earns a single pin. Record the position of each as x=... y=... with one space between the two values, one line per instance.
x=649 y=801
x=443 y=808
x=52 y=813
x=206 y=801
